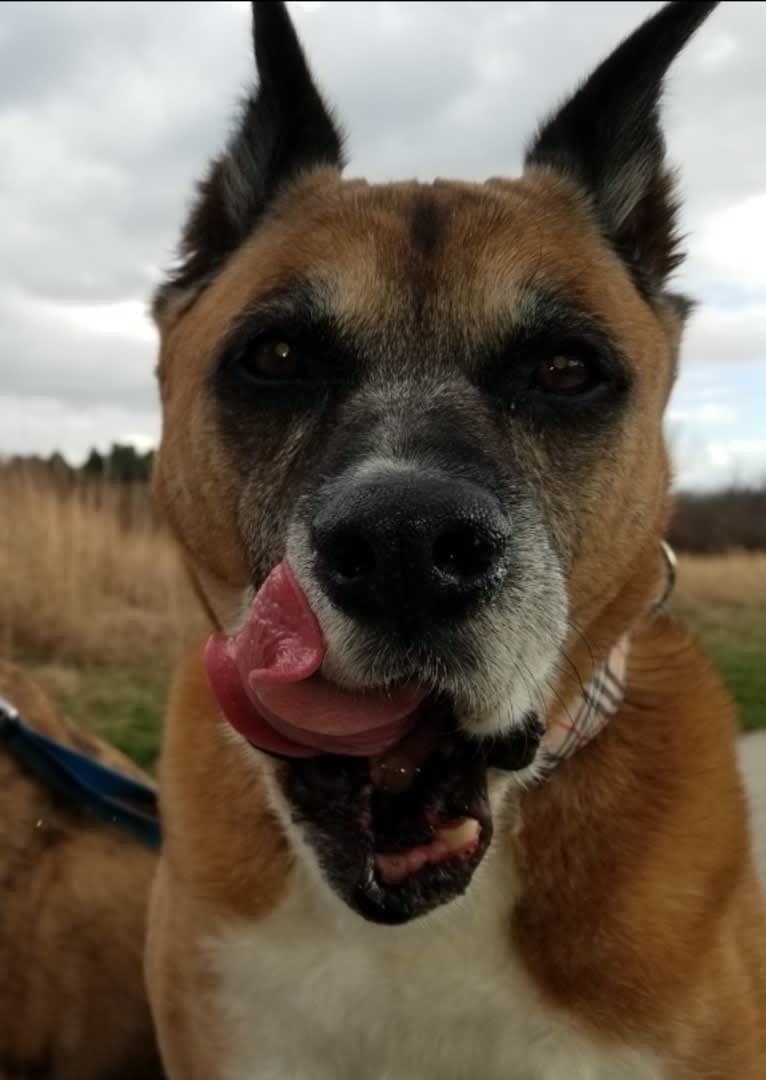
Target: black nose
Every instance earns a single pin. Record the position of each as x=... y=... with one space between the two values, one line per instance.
x=405 y=549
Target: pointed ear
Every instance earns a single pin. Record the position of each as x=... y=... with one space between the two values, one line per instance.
x=607 y=138
x=284 y=129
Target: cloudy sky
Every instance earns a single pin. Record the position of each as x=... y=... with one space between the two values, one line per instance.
x=108 y=111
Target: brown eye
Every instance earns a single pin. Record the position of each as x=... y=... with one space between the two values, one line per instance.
x=565 y=375
x=274 y=358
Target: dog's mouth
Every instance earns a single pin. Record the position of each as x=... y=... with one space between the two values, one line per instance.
x=388 y=790
x=402 y=832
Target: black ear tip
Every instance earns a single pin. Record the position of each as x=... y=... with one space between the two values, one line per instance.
x=270 y=15
x=683 y=17
x=701 y=8
x=692 y=9
x=271 y=20
x=279 y=55
x=269 y=9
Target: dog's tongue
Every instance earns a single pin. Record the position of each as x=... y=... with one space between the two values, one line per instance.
x=265 y=678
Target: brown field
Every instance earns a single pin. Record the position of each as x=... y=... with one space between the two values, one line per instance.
x=94 y=602
x=87 y=573
x=723 y=599
x=715 y=584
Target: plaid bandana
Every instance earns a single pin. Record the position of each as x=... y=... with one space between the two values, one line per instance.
x=575 y=726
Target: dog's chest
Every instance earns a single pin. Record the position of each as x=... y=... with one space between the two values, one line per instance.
x=307 y=996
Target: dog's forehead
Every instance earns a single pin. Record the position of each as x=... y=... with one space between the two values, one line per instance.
x=447 y=254
x=464 y=245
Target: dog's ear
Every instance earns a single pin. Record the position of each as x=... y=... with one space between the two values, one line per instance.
x=607 y=138
x=284 y=129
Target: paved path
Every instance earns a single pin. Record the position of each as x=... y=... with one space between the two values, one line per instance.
x=753 y=759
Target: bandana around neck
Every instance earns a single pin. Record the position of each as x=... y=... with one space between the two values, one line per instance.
x=585 y=717
x=589 y=712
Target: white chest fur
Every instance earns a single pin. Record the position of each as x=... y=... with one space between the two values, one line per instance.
x=316 y=993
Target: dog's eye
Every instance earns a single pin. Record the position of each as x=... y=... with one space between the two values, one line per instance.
x=272 y=358
x=275 y=360
x=562 y=374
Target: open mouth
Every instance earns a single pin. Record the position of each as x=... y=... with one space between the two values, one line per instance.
x=403 y=831
x=391 y=794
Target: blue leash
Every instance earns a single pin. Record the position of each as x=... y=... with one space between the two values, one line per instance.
x=77 y=776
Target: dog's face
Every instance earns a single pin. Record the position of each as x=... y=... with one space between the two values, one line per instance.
x=443 y=404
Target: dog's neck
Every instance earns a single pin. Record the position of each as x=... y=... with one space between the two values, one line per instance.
x=582 y=717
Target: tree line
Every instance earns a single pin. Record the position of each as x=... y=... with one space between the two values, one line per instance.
x=704 y=523
x=121 y=464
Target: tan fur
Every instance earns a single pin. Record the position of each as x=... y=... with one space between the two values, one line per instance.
x=609 y=939
x=231 y=855
x=350 y=236
x=683 y=969
x=221 y=822
x=72 y=921
x=598 y=923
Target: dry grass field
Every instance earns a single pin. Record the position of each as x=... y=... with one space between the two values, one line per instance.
x=723 y=599
x=94 y=603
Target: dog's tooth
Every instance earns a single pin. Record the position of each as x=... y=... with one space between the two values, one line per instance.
x=459 y=836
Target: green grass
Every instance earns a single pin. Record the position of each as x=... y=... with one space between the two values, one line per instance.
x=124 y=705
x=743 y=666
x=722 y=599
x=735 y=641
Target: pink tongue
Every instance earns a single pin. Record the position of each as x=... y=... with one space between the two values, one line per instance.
x=266 y=681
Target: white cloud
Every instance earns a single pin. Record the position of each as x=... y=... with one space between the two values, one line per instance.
x=729 y=246
x=122 y=319
x=109 y=111
x=714 y=465
x=709 y=412
x=717 y=333
x=719 y=52
x=44 y=425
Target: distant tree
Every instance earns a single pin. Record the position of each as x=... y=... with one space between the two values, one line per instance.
x=720 y=520
x=149 y=463
x=57 y=462
x=126 y=465
x=59 y=470
x=94 y=464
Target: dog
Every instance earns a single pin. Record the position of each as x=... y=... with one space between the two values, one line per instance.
x=75 y=889
x=449 y=794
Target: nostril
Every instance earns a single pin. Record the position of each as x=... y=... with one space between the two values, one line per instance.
x=349 y=554
x=463 y=551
